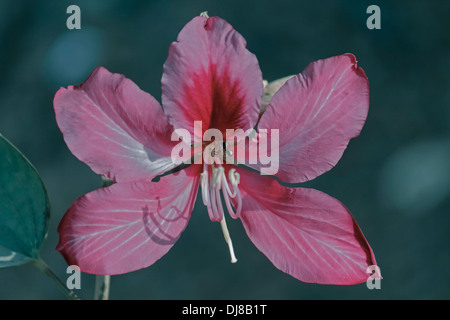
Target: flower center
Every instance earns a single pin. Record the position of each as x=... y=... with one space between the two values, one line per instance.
x=212 y=182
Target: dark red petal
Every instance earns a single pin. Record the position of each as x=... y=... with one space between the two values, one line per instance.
x=211 y=77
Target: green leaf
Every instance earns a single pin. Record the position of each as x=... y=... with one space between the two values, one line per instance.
x=10 y=258
x=24 y=207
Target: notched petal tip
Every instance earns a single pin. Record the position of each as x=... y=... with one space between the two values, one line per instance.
x=358 y=70
x=98 y=73
x=207 y=24
x=317 y=112
x=210 y=76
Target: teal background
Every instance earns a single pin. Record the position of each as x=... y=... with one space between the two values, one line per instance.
x=395 y=177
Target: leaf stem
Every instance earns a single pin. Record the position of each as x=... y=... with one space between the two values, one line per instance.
x=102 y=284
x=44 y=268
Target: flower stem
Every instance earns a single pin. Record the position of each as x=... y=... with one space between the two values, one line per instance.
x=44 y=268
x=102 y=283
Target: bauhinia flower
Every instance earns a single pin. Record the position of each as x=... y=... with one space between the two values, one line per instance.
x=211 y=79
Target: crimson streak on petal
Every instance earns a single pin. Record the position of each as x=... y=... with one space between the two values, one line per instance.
x=210 y=76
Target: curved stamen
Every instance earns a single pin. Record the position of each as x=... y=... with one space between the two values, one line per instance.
x=234 y=177
x=234 y=182
x=205 y=187
x=212 y=198
x=239 y=204
x=225 y=185
x=212 y=208
x=219 y=203
x=216 y=176
x=217 y=183
x=226 y=195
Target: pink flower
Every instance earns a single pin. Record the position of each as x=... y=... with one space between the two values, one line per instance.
x=124 y=134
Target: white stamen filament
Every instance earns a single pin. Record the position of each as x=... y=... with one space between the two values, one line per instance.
x=205 y=187
x=213 y=206
x=213 y=201
x=226 y=235
x=234 y=179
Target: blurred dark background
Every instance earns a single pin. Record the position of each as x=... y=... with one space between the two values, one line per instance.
x=395 y=177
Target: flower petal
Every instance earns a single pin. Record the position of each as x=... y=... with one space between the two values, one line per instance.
x=117 y=129
x=127 y=226
x=317 y=112
x=304 y=232
x=210 y=76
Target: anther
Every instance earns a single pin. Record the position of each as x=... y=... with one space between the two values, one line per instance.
x=234 y=177
x=217 y=176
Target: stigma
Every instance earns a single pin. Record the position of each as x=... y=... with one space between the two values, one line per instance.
x=215 y=185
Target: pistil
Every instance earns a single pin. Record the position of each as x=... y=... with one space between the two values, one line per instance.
x=226 y=235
